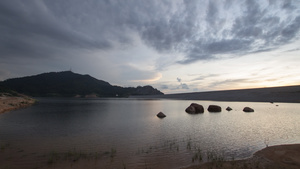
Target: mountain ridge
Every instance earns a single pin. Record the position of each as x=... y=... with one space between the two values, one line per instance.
x=69 y=84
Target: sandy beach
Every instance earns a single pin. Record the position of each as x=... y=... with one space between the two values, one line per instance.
x=9 y=102
x=280 y=156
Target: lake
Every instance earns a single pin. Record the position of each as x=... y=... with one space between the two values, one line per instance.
x=130 y=130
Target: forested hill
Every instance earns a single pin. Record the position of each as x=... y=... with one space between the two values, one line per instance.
x=69 y=84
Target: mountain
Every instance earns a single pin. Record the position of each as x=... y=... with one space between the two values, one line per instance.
x=71 y=84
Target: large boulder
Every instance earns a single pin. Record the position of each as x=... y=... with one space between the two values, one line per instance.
x=199 y=108
x=194 y=108
x=248 y=109
x=214 y=108
x=161 y=115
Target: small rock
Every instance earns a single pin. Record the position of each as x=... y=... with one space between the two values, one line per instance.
x=214 y=108
x=161 y=115
x=248 y=109
x=228 y=108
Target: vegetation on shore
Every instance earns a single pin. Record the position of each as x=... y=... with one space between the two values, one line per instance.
x=69 y=84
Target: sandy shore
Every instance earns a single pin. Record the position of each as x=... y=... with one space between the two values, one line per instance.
x=281 y=157
x=9 y=102
x=273 y=157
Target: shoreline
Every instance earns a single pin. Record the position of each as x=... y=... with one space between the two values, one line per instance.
x=286 y=94
x=278 y=156
x=10 y=102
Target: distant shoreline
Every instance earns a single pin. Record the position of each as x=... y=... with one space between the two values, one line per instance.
x=286 y=94
x=9 y=102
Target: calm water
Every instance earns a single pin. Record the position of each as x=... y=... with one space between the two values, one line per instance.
x=141 y=139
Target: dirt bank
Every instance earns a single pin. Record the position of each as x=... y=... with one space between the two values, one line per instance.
x=282 y=156
x=274 y=157
x=10 y=102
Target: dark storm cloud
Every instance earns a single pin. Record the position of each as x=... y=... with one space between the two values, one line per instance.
x=199 y=30
x=291 y=30
x=257 y=25
x=287 y=4
x=29 y=30
x=255 y=30
x=168 y=33
x=212 y=14
x=207 y=31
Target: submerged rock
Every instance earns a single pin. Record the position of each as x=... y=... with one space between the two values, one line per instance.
x=161 y=115
x=248 y=109
x=228 y=108
x=214 y=108
x=194 y=108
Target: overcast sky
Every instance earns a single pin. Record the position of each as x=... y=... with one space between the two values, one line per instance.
x=173 y=45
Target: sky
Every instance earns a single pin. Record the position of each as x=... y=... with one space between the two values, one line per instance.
x=176 y=46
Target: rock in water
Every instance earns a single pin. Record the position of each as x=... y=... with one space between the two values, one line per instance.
x=161 y=115
x=190 y=109
x=228 y=108
x=214 y=108
x=199 y=108
x=194 y=108
x=248 y=109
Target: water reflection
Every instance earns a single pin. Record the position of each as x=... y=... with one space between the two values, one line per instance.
x=139 y=137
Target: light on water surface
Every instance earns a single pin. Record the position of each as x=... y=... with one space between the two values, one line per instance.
x=130 y=127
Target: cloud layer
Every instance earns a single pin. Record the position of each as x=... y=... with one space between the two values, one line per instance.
x=199 y=29
x=182 y=32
